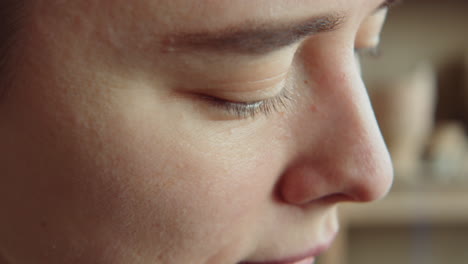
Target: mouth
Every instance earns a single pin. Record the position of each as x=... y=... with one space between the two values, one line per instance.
x=309 y=260
x=305 y=258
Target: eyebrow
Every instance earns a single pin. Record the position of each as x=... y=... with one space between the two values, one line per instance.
x=249 y=38
x=255 y=39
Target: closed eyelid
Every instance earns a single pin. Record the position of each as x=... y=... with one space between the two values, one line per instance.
x=368 y=35
x=245 y=93
x=250 y=109
x=250 y=85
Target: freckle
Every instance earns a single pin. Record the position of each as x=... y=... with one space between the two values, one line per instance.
x=43 y=224
x=168 y=45
x=306 y=82
x=313 y=108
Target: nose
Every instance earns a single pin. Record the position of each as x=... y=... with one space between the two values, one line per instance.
x=340 y=154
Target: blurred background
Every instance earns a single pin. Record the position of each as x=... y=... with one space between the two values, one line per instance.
x=419 y=89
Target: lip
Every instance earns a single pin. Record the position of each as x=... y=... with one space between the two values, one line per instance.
x=307 y=257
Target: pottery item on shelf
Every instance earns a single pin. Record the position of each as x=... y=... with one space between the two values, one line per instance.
x=405 y=110
x=465 y=88
x=465 y=104
x=447 y=151
x=464 y=175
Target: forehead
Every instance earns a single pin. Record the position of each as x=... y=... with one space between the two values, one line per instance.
x=205 y=14
x=213 y=13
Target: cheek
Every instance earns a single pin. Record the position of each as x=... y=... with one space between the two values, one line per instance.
x=132 y=173
x=170 y=179
x=186 y=180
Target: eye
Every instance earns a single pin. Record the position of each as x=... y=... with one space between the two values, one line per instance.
x=368 y=35
x=242 y=97
x=243 y=110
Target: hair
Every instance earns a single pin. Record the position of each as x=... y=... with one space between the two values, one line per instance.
x=11 y=17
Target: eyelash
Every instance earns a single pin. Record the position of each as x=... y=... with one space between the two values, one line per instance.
x=373 y=52
x=391 y=3
x=243 y=110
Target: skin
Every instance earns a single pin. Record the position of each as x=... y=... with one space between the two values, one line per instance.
x=110 y=155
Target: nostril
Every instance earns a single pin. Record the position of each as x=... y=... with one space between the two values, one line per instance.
x=372 y=188
x=306 y=191
x=301 y=186
x=336 y=198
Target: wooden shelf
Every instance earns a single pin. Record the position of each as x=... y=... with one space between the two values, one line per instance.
x=429 y=204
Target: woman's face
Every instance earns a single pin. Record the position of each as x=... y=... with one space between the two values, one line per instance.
x=208 y=132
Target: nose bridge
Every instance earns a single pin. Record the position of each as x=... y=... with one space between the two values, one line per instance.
x=346 y=156
x=359 y=159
